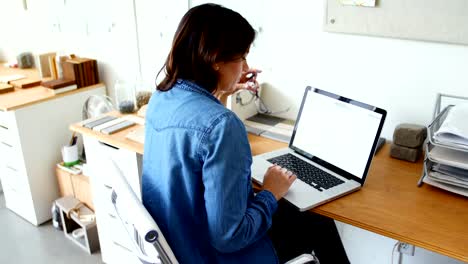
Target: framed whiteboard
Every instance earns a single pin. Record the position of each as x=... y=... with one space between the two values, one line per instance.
x=428 y=20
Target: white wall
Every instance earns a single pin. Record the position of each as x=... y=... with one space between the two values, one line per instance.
x=400 y=76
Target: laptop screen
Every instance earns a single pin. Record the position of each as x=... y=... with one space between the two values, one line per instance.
x=336 y=132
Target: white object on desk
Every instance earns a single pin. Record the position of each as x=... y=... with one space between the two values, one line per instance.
x=454 y=129
x=137 y=119
x=137 y=135
x=13 y=77
x=110 y=123
x=450 y=157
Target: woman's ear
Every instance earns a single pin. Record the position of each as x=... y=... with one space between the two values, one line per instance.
x=216 y=67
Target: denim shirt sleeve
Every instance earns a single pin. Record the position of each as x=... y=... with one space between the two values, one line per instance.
x=236 y=217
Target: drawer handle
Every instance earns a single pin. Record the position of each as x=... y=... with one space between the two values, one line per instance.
x=107 y=186
x=105 y=144
x=123 y=247
x=4 y=127
x=11 y=168
x=6 y=144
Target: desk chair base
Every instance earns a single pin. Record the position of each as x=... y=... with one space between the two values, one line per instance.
x=305 y=258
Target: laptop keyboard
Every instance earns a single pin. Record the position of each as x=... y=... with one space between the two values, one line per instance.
x=307 y=172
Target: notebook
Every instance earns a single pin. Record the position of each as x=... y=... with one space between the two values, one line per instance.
x=330 y=150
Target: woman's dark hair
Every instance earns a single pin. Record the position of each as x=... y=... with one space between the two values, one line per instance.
x=207 y=34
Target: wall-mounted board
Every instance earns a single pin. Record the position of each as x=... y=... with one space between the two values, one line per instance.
x=428 y=20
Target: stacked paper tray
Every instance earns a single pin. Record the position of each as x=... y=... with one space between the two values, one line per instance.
x=449 y=184
x=447 y=156
x=434 y=127
x=446 y=163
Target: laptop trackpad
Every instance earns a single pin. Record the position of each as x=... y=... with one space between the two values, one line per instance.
x=259 y=168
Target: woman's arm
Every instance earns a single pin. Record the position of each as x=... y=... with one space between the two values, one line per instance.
x=236 y=218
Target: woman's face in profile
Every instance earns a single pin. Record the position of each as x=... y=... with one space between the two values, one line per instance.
x=230 y=73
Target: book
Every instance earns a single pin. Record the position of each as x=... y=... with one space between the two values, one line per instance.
x=52 y=67
x=63 y=89
x=42 y=62
x=25 y=83
x=59 y=83
x=5 y=88
x=82 y=70
x=9 y=78
x=454 y=129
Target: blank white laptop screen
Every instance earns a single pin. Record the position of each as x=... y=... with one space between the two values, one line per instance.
x=337 y=132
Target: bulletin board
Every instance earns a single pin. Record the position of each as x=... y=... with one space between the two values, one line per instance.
x=427 y=20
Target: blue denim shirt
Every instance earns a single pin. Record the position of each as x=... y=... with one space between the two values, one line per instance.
x=196 y=180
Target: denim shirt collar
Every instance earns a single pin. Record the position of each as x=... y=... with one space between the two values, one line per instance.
x=193 y=87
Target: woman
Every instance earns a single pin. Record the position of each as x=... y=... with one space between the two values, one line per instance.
x=196 y=169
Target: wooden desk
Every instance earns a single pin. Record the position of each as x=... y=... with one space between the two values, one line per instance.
x=389 y=204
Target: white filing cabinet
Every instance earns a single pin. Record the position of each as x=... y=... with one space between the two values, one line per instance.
x=30 y=140
x=114 y=240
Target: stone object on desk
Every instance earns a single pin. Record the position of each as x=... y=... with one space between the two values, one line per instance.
x=6 y=88
x=404 y=153
x=25 y=60
x=409 y=135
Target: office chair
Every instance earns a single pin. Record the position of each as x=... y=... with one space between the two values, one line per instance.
x=139 y=224
x=149 y=244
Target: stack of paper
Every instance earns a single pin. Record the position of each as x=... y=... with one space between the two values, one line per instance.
x=449 y=157
x=269 y=126
x=454 y=129
x=447 y=169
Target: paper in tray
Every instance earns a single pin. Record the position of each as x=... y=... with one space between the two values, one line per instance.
x=434 y=127
x=447 y=156
x=429 y=179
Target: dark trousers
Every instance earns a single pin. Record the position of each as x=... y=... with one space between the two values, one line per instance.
x=294 y=233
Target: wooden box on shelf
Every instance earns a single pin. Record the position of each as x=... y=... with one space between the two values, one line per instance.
x=76 y=185
x=78 y=223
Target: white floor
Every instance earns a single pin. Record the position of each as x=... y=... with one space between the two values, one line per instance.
x=21 y=242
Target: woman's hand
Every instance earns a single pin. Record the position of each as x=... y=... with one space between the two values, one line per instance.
x=277 y=180
x=248 y=80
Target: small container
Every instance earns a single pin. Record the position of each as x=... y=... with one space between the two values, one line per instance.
x=70 y=155
x=144 y=91
x=125 y=96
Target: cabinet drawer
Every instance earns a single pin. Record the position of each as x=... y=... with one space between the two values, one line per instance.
x=19 y=201
x=11 y=156
x=14 y=179
x=99 y=155
x=4 y=119
x=8 y=136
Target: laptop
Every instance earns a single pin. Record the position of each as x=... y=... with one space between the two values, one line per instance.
x=330 y=150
